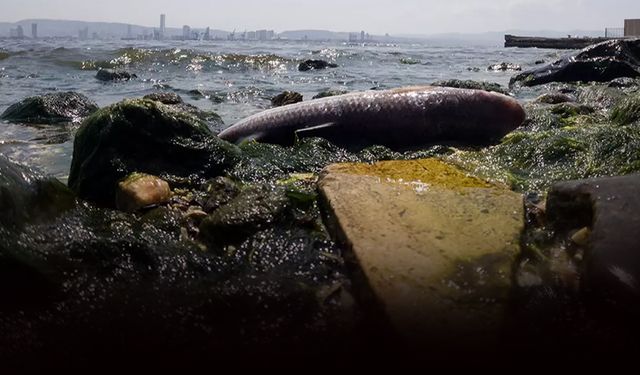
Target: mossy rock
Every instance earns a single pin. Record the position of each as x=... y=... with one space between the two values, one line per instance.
x=534 y=160
x=144 y=136
x=50 y=109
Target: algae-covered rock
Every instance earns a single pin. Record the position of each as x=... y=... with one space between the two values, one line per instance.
x=51 y=108
x=471 y=84
x=534 y=160
x=149 y=137
x=285 y=98
x=600 y=96
x=28 y=196
x=266 y=162
x=628 y=111
x=140 y=190
x=432 y=246
x=110 y=75
x=176 y=101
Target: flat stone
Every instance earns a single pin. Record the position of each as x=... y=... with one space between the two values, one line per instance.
x=433 y=245
x=140 y=190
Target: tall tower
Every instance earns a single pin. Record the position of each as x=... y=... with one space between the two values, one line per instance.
x=34 y=30
x=163 y=18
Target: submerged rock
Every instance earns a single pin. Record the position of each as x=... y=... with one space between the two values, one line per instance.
x=601 y=62
x=50 y=108
x=503 y=67
x=164 y=97
x=141 y=190
x=432 y=247
x=149 y=137
x=471 y=84
x=28 y=196
x=328 y=93
x=315 y=65
x=287 y=97
x=109 y=75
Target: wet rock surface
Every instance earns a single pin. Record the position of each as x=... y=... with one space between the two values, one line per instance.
x=503 y=67
x=113 y=75
x=50 y=109
x=315 y=65
x=144 y=136
x=325 y=94
x=600 y=63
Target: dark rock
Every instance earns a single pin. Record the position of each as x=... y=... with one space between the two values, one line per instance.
x=51 y=108
x=503 y=67
x=285 y=98
x=538 y=62
x=471 y=84
x=211 y=95
x=609 y=208
x=28 y=196
x=253 y=209
x=220 y=191
x=4 y=55
x=149 y=137
x=108 y=75
x=473 y=69
x=315 y=65
x=554 y=98
x=409 y=61
x=601 y=63
x=328 y=93
x=177 y=103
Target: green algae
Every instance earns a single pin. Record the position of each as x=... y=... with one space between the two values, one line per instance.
x=627 y=112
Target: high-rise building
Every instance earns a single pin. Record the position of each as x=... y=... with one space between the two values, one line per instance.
x=262 y=35
x=186 y=32
x=362 y=36
x=34 y=30
x=129 y=33
x=83 y=34
x=207 y=34
x=163 y=19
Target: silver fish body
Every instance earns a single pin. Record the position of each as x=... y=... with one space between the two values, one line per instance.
x=398 y=118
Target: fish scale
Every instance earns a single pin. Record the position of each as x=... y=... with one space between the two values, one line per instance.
x=403 y=117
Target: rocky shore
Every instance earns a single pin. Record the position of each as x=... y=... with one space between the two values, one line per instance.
x=173 y=247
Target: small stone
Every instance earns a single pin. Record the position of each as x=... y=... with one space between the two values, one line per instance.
x=581 y=237
x=140 y=190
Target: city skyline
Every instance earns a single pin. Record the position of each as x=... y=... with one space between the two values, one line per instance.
x=379 y=17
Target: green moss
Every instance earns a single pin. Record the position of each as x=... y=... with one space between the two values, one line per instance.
x=529 y=160
x=627 y=112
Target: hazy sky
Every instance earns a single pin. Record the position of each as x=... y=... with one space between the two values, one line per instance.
x=374 y=16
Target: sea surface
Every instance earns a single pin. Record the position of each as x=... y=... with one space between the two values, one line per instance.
x=234 y=79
